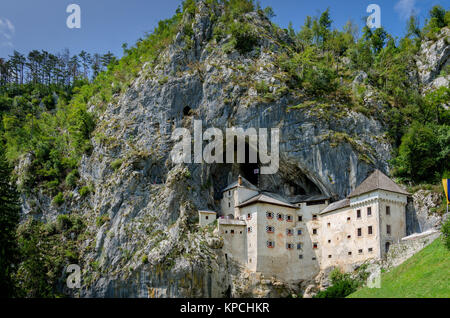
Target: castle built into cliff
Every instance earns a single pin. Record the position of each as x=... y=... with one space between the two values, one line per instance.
x=294 y=239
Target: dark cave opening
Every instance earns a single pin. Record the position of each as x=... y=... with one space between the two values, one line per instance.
x=187 y=111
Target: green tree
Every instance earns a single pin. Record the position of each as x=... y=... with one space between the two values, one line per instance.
x=424 y=153
x=9 y=219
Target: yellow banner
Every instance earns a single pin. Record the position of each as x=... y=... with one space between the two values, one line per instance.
x=446 y=183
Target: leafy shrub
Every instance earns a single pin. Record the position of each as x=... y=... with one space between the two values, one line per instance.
x=116 y=164
x=244 y=37
x=86 y=190
x=342 y=286
x=72 y=178
x=446 y=233
x=58 y=200
x=102 y=220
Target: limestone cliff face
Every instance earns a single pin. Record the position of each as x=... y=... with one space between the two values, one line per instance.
x=148 y=244
x=433 y=59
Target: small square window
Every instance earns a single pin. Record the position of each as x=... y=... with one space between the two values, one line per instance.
x=349 y=236
x=207 y=217
x=232 y=231
x=314 y=217
x=289 y=218
x=315 y=246
x=360 y=251
x=329 y=224
x=329 y=241
x=348 y=219
x=300 y=256
x=349 y=253
x=370 y=250
x=300 y=218
x=330 y=256
x=313 y=258
x=299 y=232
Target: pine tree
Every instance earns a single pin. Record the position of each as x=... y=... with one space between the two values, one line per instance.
x=9 y=219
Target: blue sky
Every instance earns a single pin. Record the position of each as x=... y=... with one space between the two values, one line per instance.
x=106 y=24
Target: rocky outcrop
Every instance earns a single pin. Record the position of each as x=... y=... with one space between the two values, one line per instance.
x=433 y=58
x=420 y=212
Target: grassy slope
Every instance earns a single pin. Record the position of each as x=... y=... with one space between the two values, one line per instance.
x=425 y=275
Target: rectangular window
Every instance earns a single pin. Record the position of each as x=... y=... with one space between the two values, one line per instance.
x=349 y=253
x=314 y=217
x=330 y=256
x=329 y=241
x=299 y=246
x=370 y=250
x=329 y=224
x=348 y=219
x=229 y=204
x=289 y=218
x=280 y=217
x=370 y=229
x=249 y=230
x=300 y=218
x=360 y=251
x=289 y=232
x=299 y=232
x=359 y=232
x=369 y=211
x=270 y=244
x=300 y=256
x=289 y=246
x=388 y=210
x=388 y=229
x=232 y=231
x=269 y=215
x=349 y=236
x=315 y=246
x=249 y=216
x=270 y=229
x=314 y=231
x=207 y=217
x=358 y=214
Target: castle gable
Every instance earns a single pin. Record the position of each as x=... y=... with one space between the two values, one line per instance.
x=377 y=181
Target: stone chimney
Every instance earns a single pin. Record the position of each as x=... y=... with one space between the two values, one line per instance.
x=240 y=181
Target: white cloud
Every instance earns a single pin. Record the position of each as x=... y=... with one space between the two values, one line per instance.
x=7 y=31
x=406 y=8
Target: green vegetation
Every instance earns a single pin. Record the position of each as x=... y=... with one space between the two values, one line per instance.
x=343 y=284
x=425 y=275
x=9 y=221
x=45 y=250
x=446 y=233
